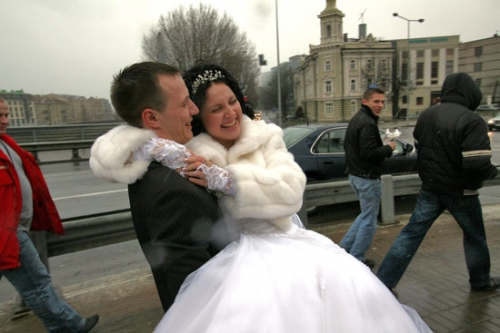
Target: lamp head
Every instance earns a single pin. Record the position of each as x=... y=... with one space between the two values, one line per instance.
x=395 y=14
x=421 y=20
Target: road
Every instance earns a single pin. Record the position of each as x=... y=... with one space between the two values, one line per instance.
x=77 y=192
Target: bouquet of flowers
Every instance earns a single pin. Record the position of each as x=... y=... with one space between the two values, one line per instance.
x=389 y=136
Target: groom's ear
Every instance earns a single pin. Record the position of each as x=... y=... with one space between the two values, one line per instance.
x=149 y=118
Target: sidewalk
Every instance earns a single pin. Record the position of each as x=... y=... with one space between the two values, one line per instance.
x=435 y=284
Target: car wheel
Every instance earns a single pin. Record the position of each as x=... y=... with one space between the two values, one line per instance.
x=313 y=211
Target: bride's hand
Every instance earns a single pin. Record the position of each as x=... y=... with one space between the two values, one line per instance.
x=191 y=173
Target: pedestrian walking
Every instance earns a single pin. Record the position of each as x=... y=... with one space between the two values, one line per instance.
x=365 y=152
x=27 y=205
x=454 y=158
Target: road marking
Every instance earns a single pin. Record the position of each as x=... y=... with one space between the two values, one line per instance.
x=89 y=194
x=71 y=173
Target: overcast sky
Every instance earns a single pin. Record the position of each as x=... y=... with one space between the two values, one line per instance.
x=76 y=46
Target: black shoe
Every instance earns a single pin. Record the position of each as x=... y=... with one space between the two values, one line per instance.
x=20 y=311
x=494 y=284
x=369 y=262
x=90 y=322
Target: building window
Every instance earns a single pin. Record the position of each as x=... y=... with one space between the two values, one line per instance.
x=435 y=53
x=328 y=86
x=450 y=52
x=353 y=64
x=478 y=66
x=404 y=72
x=449 y=67
x=328 y=31
x=383 y=63
x=478 y=82
x=420 y=70
x=420 y=101
x=478 y=51
x=353 y=85
x=368 y=63
x=329 y=109
x=404 y=54
x=354 y=106
x=420 y=53
x=434 y=69
x=404 y=99
x=328 y=65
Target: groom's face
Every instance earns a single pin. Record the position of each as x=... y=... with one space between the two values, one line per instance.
x=174 y=121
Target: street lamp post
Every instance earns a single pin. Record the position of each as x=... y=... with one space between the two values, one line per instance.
x=279 y=74
x=408 y=69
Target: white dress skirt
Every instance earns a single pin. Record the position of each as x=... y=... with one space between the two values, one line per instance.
x=286 y=282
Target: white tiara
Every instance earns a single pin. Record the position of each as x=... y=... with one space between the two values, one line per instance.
x=208 y=75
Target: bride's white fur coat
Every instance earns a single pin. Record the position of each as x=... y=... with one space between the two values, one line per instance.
x=269 y=184
x=110 y=154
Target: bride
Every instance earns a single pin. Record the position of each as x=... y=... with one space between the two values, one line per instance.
x=277 y=277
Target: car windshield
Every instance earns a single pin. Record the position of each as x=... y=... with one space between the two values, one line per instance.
x=294 y=134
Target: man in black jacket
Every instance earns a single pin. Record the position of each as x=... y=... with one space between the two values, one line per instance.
x=453 y=160
x=178 y=224
x=365 y=153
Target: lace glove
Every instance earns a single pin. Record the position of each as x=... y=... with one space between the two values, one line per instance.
x=167 y=152
x=219 y=179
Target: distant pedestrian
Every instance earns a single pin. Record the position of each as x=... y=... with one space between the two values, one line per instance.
x=365 y=153
x=27 y=205
x=454 y=156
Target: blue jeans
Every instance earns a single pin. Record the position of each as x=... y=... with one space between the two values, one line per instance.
x=359 y=237
x=467 y=212
x=33 y=283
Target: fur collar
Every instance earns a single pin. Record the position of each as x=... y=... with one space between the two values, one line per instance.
x=110 y=154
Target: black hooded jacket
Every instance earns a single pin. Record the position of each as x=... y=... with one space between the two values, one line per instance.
x=364 y=150
x=453 y=145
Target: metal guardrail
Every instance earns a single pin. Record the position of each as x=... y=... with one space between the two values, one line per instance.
x=73 y=138
x=59 y=133
x=73 y=146
x=82 y=233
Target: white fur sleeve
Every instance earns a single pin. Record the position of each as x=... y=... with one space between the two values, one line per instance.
x=267 y=185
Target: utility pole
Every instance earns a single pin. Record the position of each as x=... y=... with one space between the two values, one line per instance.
x=408 y=81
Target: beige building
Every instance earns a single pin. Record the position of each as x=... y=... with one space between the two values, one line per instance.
x=330 y=81
x=481 y=59
x=431 y=60
x=21 y=108
x=54 y=109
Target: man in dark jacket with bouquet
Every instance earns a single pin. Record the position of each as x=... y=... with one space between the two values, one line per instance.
x=365 y=153
x=454 y=156
x=27 y=205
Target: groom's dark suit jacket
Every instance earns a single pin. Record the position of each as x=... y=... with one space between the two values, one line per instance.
x=178 y=225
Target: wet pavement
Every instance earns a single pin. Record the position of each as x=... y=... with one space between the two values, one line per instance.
x=435 y=284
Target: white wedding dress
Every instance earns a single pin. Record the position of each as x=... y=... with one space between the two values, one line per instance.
x=275 y=281
x=286 y=282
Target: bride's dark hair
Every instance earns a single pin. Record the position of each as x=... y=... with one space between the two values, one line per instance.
x=199 y=78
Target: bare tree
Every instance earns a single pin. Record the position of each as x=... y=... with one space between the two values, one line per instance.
x=183 y=37
x=269 y=93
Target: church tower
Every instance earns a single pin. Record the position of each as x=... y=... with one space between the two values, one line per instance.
x=331 y=23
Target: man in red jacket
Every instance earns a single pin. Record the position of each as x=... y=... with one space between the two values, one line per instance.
x=27 y=205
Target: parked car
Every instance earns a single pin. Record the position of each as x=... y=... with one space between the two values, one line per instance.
x=494 y=123
x=488 y=107
x=319 y=150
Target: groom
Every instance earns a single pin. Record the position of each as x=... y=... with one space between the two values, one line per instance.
x=178 y=224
